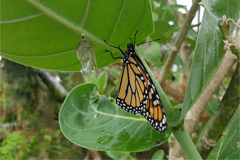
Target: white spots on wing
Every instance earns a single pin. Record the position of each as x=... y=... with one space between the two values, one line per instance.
x=156 y=102
x=164 y=121
x=153 y=87
x=151 y=90
x=147 y=113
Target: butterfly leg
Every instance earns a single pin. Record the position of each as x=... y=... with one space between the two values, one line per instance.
x=112 y=55
x=114 y=47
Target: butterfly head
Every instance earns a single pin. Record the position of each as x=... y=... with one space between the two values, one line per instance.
x=130 y=47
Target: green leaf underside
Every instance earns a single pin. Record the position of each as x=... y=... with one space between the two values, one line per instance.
x=174 y=6
x=209 y=51
x=118 y=155
x=45 y=34
x=98 y=124
x=228 y=146
x=158 y=155
x=163 y=31
x=211 y=106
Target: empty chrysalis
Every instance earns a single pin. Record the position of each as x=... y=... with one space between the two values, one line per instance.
x=86 y=56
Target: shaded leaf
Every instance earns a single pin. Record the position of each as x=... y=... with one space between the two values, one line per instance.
x=163 y=14
x=93 y=122
x=228 y=146
x=209 y=50
x=44 y=34
x=163 y=30
x=158 y=155
x=211 y=106
x=175 y=6
x=120 y=155
x=101 y=80
x=153 y=54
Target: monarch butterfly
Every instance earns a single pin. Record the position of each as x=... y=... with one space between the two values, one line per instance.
x=137 y=93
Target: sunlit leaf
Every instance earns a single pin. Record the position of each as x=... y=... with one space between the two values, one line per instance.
x=45 y=34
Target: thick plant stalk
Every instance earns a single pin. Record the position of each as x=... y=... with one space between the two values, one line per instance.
x=193 y=115
x=223 y=115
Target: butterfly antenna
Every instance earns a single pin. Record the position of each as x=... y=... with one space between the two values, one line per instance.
x=135 y=37
x=149 y=41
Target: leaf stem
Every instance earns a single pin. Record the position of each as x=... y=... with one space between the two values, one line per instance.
x=186 y=143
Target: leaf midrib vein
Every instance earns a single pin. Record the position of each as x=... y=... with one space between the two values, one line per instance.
x=120 y=14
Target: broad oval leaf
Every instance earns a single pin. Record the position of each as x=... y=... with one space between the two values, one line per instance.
x=228 y=146
x=209 y=50
x=93 y=122
x=45 y=34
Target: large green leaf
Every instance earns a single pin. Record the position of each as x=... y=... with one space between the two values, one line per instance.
x=209 y=50
x=45 y=34
x=93 y=122
x=228 y=146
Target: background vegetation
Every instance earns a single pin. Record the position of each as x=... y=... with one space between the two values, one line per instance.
x=46 y=114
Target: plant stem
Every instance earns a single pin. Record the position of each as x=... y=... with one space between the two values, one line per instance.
x=222 y=116
x=179 y=40
x=186 y=143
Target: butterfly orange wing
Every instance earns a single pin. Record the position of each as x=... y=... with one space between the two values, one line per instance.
x=137 y=93
x=132 y=90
